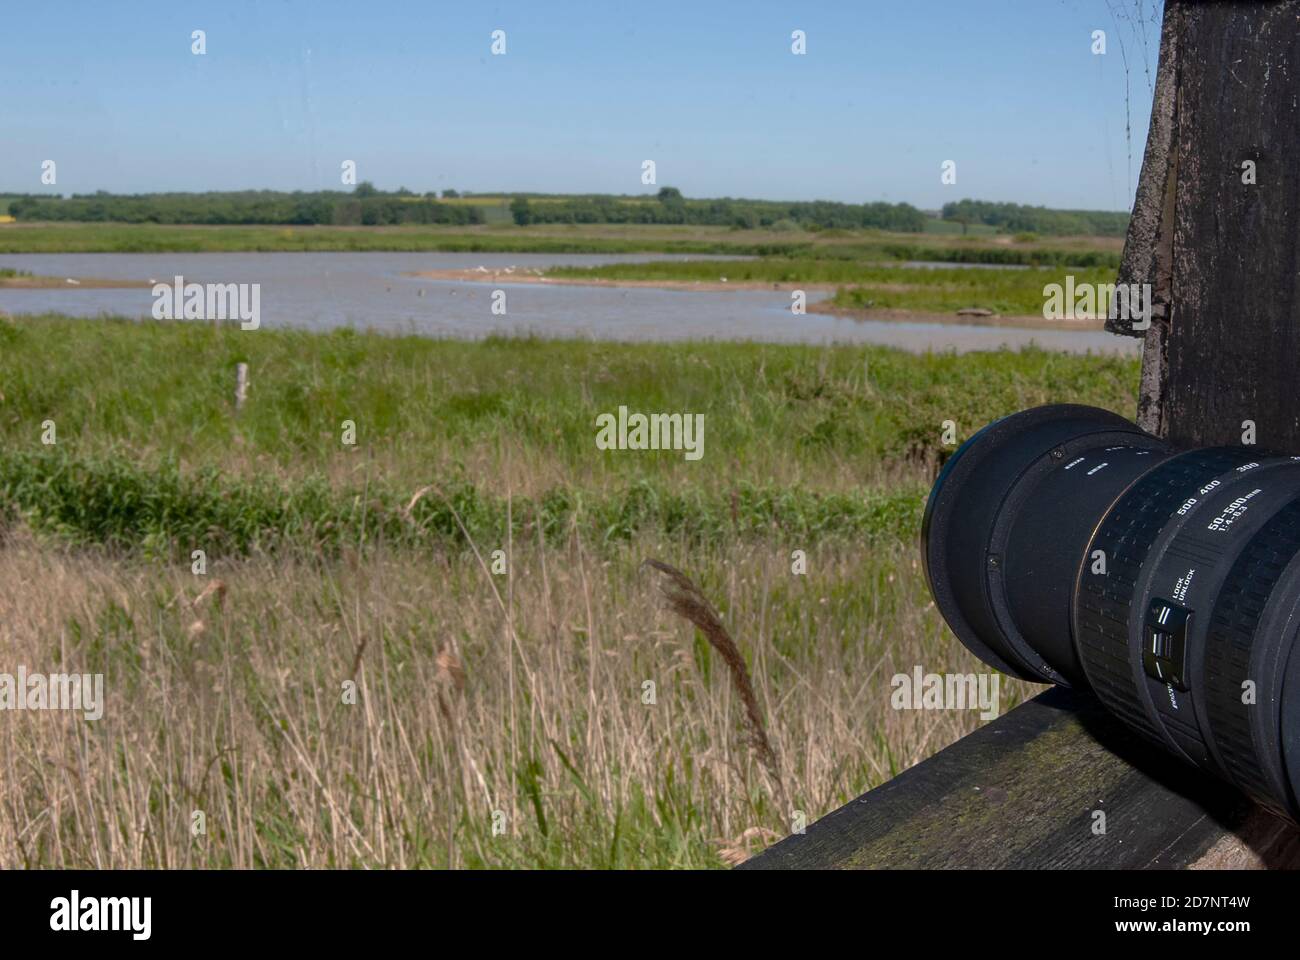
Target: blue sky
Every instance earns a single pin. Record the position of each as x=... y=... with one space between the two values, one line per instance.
x=288 y=89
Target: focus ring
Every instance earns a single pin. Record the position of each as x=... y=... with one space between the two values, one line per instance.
x=1125 y=537
x=1231 y=639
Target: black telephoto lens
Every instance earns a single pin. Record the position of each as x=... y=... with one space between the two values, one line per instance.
x=1066 y=545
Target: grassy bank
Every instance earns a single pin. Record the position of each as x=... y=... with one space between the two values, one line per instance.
x=116 y=502
x=554 y=238
x=537 y=707
x=512 y=415
x=1016 y=292
x=1006 y=292
x=154 y=238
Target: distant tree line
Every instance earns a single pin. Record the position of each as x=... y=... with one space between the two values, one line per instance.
x=669 y=206
x=1015 y=218
x=364 y=206
x=368 y=206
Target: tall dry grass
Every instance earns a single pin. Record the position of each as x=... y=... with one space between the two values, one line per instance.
x=517 y=701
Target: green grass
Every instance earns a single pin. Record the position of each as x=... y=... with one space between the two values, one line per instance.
x=938 y=290
x=422 y=405
x=117 y=502
x=1006 y=292
x=856 y=245
x=153 y=238
x=807 y=439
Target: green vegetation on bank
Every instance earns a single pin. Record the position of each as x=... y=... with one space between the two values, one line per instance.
x=819 y=441
x=115 y=501
x=155 y=238
x=924 y=290
x=1005 y=292
x=826 y=244
x=974 y=251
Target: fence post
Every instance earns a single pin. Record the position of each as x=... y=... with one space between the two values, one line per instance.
x=241 y=385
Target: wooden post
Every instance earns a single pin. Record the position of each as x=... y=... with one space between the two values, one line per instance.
x=1216 y=233
x=1215 y=227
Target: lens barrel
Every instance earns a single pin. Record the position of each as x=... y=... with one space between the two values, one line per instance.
x=1065 y=545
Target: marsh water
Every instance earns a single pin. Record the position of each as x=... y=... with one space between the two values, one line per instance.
x=372 y=291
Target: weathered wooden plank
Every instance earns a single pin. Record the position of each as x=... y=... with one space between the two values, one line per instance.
x=1023 y=792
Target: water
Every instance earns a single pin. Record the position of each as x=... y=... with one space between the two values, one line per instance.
x=368 y=291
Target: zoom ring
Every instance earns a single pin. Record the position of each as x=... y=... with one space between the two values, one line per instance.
x=1237 y=612
x=1105 y=601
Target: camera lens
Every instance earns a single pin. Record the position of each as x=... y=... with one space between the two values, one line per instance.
x=1065 y=545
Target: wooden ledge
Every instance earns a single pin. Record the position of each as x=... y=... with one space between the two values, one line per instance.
x=1022 y=792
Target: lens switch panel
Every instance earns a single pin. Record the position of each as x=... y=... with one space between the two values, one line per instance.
x=1164 y=647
